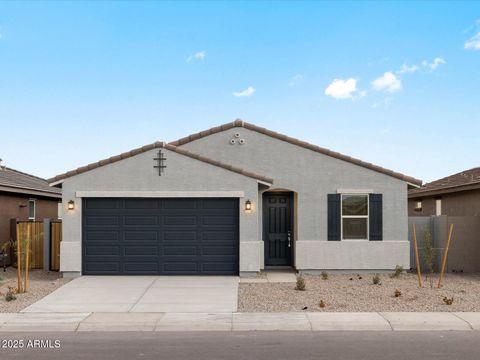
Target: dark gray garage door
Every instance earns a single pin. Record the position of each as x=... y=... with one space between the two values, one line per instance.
x=160 y=236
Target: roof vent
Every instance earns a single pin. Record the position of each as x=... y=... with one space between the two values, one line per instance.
x=2 y=167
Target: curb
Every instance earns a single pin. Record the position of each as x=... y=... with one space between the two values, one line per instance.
x=232 y=322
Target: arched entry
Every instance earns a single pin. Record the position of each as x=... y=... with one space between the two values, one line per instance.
x=278 y=222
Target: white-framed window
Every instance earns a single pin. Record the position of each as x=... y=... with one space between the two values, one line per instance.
x=31 y=209
x=438 y=207
x=59 y=210
x=354 y=212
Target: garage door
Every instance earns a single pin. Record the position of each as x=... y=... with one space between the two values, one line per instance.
x=160 y=236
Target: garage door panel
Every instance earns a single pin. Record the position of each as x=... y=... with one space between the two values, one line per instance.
x=180 y=220
x=142 y=220
x=102 y=267
x=175 y=236
x=142 y=204
x=141 y=267
x=103 y=204
x=137 y=250
x=102 y=250
x=99 y=236
x=98 y=220
x=184 y=204
x=179 y=250
x=179 y=267
x=141 y=235
x=161 y=236
x=219 y=250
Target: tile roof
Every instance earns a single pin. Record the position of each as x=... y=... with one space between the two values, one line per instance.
x=457 y=182
x=240 y=123
x=156 y=145
x=16 y=181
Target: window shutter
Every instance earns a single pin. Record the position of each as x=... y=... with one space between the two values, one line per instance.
x=333 y=218
x=376 y=217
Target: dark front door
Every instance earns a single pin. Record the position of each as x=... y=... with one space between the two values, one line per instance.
x=277 y=228
x=160 y=236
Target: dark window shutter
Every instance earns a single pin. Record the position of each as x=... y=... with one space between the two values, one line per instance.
x=376 y=217
x=333 y=218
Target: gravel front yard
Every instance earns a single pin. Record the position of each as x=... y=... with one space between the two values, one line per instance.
x=41 y=283
x=339 y=293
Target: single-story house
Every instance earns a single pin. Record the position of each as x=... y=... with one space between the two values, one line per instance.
x=454 y=195
x=232 y=200
x=26 y=198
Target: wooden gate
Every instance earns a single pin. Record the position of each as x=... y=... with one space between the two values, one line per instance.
x=55 y=239
x=35 y=229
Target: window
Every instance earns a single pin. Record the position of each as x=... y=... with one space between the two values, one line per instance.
x=418 y=205
x=59 y=210
x=438 y=207
x=355 y=217
x=31 y=210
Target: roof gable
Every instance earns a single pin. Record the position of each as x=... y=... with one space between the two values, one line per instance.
x=156 y=145
x=315 y=148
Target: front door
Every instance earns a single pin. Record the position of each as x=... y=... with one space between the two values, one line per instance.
x=277 y=229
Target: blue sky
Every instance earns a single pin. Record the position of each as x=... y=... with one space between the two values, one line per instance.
x=396 y=84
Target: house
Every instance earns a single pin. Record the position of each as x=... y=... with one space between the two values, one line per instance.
x=452 y=200
x=231 y=200
x=25 y=197
x=454 y=195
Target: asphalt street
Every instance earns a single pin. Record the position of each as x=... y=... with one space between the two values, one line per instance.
x=339 y=345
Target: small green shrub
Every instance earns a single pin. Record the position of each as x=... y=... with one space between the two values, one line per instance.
x=376 y=279
x=301 y=284
x=10 y=295
x=324 y=275
x=398 y=271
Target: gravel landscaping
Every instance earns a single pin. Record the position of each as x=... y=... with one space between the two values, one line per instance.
x=358 y=293
x=41 y=283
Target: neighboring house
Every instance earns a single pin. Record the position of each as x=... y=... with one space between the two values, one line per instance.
x=233 y=199
x=25 y=197
x=454 y=195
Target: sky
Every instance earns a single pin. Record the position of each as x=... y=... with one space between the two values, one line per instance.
x=392 y=83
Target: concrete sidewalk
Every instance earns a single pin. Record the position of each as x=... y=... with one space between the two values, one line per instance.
x=308 y=321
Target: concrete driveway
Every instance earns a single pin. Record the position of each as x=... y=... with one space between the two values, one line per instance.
x=186 y=294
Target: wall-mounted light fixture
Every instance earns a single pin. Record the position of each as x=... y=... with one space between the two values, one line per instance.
x=71 y=205
x=248 y=205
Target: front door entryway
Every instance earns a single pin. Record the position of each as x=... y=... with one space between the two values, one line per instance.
x=277 y=228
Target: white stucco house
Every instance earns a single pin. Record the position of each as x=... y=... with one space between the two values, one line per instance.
x=232 y=200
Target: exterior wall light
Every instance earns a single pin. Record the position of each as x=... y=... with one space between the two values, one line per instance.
x=71 y=205
x=248 y=205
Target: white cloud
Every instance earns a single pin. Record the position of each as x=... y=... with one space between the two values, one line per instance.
x=405 y=69
x=387 y=82
x=295 y=80
x=247 y=92
x=200 y=55
x=473 y=43
x=342 y=89
x=434 y=64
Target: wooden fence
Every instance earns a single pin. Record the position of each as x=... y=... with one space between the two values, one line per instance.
x=55 y=239
x=36 y=231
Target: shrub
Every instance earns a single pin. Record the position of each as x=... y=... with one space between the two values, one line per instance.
x=376 y=279
x=398 y=271
x=448 y=301
x=429 y=255
x=301 y=284
x=324 y=275
x=10 y=295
